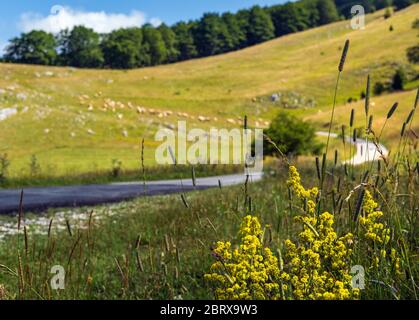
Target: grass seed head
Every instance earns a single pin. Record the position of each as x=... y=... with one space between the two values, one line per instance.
x=343 y=57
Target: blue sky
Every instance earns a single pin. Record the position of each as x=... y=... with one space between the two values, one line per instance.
x=23 y=15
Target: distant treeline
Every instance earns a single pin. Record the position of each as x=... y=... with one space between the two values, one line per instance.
x=212 y=34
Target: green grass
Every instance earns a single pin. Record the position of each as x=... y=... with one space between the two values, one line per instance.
x=102 y=177
x=160 y=247
x=380 y=106
x=223 y=87
x=156 y=248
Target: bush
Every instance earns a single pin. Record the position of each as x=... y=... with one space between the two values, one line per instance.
x=4 y=166
x=388 y=13
x=399 y=79
x=413 y=54
x=379 y=88
x=292 y=136
x=34 y=167
x=116 y=168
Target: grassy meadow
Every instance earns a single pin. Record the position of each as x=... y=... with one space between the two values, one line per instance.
x=297 y=234
x=160 y=247
x=78 y=121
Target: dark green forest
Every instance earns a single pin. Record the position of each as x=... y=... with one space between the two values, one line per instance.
x=213 y=34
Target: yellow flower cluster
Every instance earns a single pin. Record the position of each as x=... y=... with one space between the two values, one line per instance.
x=377 y=234
x=309 y=195
x=319 y=265
x=247 y=272
x=374 y=230
x=316 y=266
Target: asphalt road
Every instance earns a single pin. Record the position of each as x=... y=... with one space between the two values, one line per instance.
x=365 y=150
x=38 y=199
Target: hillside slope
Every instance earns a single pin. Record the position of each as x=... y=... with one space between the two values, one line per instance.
x=79 y=120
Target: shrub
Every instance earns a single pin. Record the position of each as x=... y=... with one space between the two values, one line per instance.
x=413 y=54
x=388 y=13
x=4 y=166
x=292 y=136
x=34 y=167
x=399 y=79
x=379 y=88
x=116 y=168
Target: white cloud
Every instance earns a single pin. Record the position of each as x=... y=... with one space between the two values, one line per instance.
x=155 y=22
x=65 y=17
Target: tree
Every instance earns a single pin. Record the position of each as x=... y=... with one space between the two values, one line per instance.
x=413 y=54
x=236 y=31
x=399 y=79
x=170 y=42
x=122 y=48
x=260 y=27
x=35 y=47
x=344 y=6
x=401 y=4
x=381 y=4
x=290 y=18
x=291 y=135
x=154 y=44
x=327 y=11
x=81 y=48
x=211 y=35
x=185 y=43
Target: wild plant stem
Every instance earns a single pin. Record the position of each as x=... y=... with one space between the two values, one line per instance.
x=330 y=128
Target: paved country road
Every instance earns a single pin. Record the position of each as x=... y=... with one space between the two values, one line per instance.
x=365 y=150
x=38 y=199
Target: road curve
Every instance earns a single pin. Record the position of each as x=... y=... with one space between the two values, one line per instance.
x=365 y=150
x=38 y=199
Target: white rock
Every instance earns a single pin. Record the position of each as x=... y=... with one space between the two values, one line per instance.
x=21 y=96
x=6 y=113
